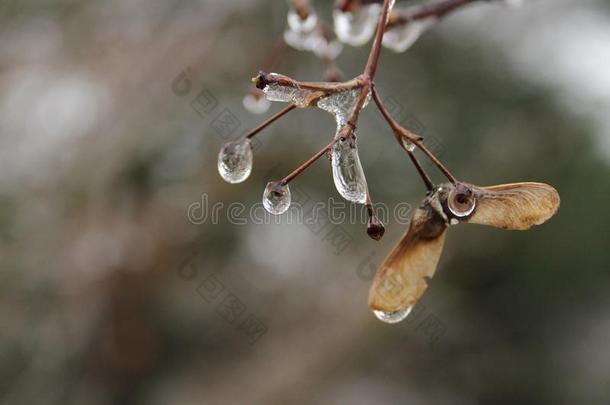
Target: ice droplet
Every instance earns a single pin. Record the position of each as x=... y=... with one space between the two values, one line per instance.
x=235 y=161
x=256 y=104
x=323 y=48
x=314 y=42
x=300 y=41
x=356 y=27
x=276 y=197
x=347 y=170
x=393 y=316
x=297 y=24
x=401 y=37
x=410 y=146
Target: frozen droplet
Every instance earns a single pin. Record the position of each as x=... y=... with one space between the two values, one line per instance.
x=393 y=316
x=300 y=41
x=400 y=37
x=342 y=105
x=276 y=92
x=356 y=27
x=410 y=146
x=324 y=48
x=235 y=161
x=256 y=104
x=347 y=170
x=276 y=197
x=298 y=24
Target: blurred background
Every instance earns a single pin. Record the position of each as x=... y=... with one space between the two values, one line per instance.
x=119 y=286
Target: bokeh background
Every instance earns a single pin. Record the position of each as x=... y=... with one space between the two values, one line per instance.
x=110 y=294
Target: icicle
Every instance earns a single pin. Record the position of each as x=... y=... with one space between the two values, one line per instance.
x=347 y=170
x=356 y=27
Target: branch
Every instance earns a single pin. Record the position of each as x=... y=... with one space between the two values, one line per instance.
x=371 y=65
x=438 y=10
x=270 y=121
x=401 y=132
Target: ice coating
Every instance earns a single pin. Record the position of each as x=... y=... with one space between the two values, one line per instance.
x=314 y=42
x=297 y=24
x=287 y=94
x=356 y=27
x=401 y=37
x=342 y=105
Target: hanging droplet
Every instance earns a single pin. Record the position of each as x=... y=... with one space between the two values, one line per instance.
x=324 y=48
x=410 y=146
x=393 y=316
x=298 y=24
x=276 y=197
x=347 y=170
x=256 y=103
x=400 y=37
x=299 y=40
x=356 y=27
x=235 y=161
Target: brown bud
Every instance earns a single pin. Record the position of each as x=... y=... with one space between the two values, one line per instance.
x=375 y=228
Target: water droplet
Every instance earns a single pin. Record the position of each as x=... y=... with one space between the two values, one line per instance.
x=357 y=27
x=298 y=24
x=347 y=170
x=400 y=37
x=393 y=316
x=276 y=197
x=235 y=161
x=256 y=104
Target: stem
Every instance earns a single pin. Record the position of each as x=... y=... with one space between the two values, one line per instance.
x=308 y=162
x=371 y=64
x=420 y=170
x=400 y=132
x=270 y=121
x=263 y=79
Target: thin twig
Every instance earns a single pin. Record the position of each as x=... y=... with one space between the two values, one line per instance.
x=437 y=10
x=371 y=64
x=308 y=162
x=270 y=121
x=417 y=140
